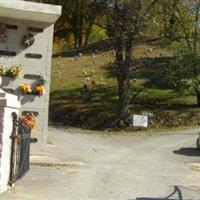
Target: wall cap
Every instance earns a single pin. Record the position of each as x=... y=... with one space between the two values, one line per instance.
x=31 y=11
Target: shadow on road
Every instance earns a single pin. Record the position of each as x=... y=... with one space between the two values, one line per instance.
x=193 y=152
x=154 y=199
x=169 y=197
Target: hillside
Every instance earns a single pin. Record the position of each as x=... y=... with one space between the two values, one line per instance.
x=84 y=92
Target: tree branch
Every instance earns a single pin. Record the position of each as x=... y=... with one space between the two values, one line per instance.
x=156 y=39
x=149 y=8
x=184 y=29
x=196 y=27
x=100 y=25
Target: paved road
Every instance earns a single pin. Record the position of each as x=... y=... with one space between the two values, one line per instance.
x=94 y=167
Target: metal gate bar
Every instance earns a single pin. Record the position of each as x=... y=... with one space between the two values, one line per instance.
x=20 y=150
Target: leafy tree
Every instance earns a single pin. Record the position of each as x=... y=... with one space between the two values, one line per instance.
x=126 y=20
x=184 y=70
x=78 y=18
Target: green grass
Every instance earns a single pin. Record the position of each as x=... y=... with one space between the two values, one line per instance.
x=70 y=105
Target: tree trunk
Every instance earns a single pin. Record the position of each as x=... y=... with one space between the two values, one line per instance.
x=88 y=33
x=80 y=22
x=123 y=102
x=76 y=38
x=123 y=78
x=75 y=24
x=80 y=33
x=80 y=28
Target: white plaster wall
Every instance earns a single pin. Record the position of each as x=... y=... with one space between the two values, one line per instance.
x=8 y=105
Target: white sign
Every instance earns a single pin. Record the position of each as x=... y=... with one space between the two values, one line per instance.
x=140 y=121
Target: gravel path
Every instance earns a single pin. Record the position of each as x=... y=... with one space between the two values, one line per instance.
x=95 y=167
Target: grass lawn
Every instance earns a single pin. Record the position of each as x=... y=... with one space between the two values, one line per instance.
x=74 y=104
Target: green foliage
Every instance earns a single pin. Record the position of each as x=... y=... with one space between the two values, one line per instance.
x=97 y=34
x=184 y=70
x=78 y=18
x=193 y=84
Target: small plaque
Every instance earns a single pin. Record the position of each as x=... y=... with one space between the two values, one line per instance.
x=34 y=113
x=32 y=76
x=7 y=53
x=33 y=55
x=140 y=121
x=35 y=29
x=11 y=26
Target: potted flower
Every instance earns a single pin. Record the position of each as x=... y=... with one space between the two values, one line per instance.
x=40 y=89
x=2 y=70
x=14 y=71
x=29 y=119
x=26 y=88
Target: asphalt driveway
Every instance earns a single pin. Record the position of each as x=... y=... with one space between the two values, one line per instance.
x=81 y=166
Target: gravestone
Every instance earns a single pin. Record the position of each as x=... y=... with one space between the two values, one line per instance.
x=26 y=37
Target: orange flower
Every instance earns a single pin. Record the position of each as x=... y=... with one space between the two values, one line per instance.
x=40 y=89
x=25 y=88
x=29 y=121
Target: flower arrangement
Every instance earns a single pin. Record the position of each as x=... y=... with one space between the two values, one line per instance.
x=14 y=71
x=40 y=89
x=25 y=88
x=2 y=70
x=29 y=119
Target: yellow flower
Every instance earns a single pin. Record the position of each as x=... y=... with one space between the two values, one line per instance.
x=15 y=70
x=40 y=89
x=2 y=71
x=25 y=88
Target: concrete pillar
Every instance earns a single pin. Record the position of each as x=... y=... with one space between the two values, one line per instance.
x=8 y=104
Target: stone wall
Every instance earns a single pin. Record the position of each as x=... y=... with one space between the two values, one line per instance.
x=31 y=66
x=21 y=18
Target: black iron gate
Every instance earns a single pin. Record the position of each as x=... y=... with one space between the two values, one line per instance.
x=20 y=152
